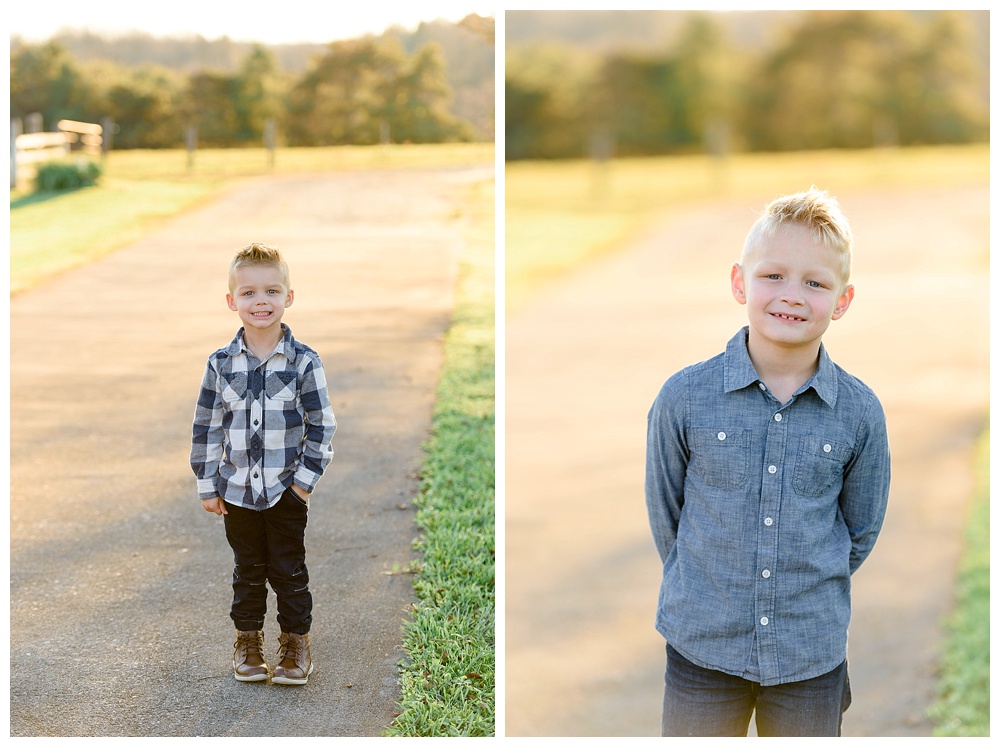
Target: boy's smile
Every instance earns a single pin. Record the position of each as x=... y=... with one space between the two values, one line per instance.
x=793 y=288
x=259 y=296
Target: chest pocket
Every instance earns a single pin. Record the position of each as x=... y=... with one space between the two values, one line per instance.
x=234 y=387
x=720 y=456
x=819 y=466
x=280 y=385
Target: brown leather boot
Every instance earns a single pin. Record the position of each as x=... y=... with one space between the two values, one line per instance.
x=296 y=661
x=248 y=660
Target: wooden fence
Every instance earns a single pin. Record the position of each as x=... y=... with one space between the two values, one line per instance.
x=31 y=148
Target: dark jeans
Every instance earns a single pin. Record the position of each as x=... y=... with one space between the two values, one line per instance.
x=269 y=547
x=701 y=702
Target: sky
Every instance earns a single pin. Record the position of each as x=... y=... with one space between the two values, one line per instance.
x=265 y=21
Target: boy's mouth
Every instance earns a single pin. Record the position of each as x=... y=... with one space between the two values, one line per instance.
x=788 y=317
x=261 y=314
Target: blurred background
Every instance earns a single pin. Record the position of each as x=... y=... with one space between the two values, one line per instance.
x=653 y=82
x=640 y=147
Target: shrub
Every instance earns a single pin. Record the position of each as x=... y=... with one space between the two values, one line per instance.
x=62 y=175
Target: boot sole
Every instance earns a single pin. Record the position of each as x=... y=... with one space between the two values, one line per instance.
x=250 y=677
x=288 y=681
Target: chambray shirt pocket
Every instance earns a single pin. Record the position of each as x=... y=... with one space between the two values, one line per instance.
x=819 y=465
x=720 y=456
x=280 y=385
x=234 y=386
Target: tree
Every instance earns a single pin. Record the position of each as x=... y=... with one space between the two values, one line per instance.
x=256 y=92
x=361 y=88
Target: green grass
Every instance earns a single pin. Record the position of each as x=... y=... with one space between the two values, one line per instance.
x=447 y=680
x=559 y=214
x=56 y=231
x=962 y=708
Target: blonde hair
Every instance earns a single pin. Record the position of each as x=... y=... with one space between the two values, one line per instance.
x=813 y=209
x=257 y=255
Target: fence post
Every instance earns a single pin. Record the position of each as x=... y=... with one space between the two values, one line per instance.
x=108 y=133
x=270 y=136
x=191 y=142
x=15 y=130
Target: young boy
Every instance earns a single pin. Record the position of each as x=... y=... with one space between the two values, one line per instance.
x=261 y=440
x=767 y=476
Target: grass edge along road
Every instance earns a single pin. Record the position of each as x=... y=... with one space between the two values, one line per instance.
x=962 y=708
x=447 y=682
x=448 y=678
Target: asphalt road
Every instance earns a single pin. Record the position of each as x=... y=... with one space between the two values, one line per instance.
x=119 y=581
x=585 y=360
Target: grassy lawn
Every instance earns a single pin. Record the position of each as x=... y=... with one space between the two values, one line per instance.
x=561 y=213
x=448 y=678
x=53 y=232
x=962 y=708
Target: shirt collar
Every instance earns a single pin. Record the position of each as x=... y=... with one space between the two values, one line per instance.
x=285 y=346
x=740 y=372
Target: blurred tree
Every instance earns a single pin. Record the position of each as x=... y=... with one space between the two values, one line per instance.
x=853 y=79
x=360 y=91
x=142 y=106
x=256 y=94
x=45 y=79
x=209 y=104
x=551 y=110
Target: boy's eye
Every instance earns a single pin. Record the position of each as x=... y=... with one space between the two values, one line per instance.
x=814 y=284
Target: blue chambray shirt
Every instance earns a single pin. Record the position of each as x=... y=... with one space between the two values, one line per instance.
x=761 y=512
x=260 y=425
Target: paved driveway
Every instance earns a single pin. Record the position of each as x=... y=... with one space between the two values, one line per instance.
x=120 y=582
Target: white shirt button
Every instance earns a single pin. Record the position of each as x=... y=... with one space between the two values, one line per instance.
x=722 y=436
x=764 y=621
x=827 y=448
x=765 y=573
x=762 y=387
x=777 y=416
x=772 y=469
x=768 y=521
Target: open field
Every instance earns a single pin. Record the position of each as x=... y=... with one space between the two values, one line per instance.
x=560 y=213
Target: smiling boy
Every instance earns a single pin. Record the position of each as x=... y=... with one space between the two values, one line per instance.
x=260 y=442
x=767 y=478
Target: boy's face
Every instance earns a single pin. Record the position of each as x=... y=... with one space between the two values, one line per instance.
x=259 y=296
x=792 y=287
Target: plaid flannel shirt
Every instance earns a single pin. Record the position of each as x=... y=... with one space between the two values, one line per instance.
x=259 y=425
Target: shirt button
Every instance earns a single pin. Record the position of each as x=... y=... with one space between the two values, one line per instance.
x=764 y=621
x=765 y=573
x=827 y=448
x=772 y=469
x=777 y=417
x=762 y=387
x=768 y=521
x=722 y=436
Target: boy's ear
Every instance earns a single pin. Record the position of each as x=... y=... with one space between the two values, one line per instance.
x=230 y=302
x=289 y=298
x=844 y=302
x=736 y=279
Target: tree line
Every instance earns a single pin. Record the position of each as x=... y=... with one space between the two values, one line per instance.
x=359 y=91
x=834 y=79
